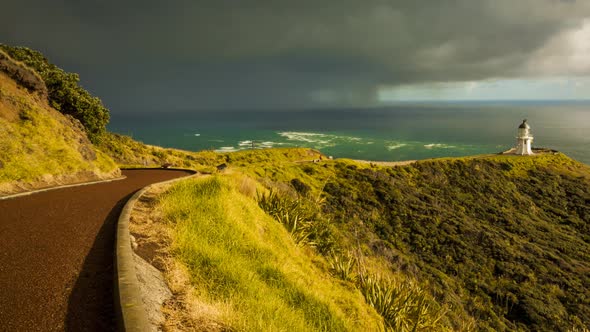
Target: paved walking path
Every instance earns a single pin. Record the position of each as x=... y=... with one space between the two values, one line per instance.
x=56 y=255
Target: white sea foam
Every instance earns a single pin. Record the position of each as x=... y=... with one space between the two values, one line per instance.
x=438 y=146
x=245 y=143
x=264 y=145
x=317 y=139
x=197 y=135
x=305 y=137
x=267 y=144
x=396 y=146
x=227 y=149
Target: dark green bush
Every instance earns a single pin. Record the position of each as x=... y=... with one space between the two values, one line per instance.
x=300 y=218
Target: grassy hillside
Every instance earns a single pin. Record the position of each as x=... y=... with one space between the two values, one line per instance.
x=52 y=131
x=496 y=243
x=62 y=90
x=501 y=242
x=247 y=270
x=41 y=147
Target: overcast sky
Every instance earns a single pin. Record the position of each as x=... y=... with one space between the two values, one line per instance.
x=288 y=54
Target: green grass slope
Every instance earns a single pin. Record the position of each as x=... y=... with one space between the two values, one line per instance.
x=41 y=147
x=247 y=269
x=503 y=242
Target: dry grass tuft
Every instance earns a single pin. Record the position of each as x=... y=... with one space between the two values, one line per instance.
x=247 y=187
x=186 y=311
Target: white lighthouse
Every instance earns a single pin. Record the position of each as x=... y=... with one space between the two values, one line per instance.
x=524 y=139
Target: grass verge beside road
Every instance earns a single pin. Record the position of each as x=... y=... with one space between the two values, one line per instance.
x=246 y=269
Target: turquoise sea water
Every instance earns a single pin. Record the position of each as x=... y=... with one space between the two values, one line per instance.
x=399 y=132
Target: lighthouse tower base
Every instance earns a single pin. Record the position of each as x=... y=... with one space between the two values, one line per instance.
x=523 y=147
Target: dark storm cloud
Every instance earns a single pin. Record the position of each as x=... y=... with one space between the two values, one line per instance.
x=279 y=53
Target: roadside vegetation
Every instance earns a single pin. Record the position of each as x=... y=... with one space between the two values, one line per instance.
x=247 y=269
x=40 y=147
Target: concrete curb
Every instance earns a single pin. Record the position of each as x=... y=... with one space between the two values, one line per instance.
x=27 y=193
x=130 y=310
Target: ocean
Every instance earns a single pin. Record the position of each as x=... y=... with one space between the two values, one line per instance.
x=398 y=132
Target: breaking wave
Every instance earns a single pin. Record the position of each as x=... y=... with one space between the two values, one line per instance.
x=396 y=146
x=318 y=139
x=227 y=149
x=439 y=146
x=258 y=144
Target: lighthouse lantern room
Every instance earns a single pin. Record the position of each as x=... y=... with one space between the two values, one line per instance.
x=524 y=139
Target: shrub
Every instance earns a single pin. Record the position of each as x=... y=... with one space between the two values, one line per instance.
x=403 y=305
x=301 y=218
x=291 y=213
x=343 y=267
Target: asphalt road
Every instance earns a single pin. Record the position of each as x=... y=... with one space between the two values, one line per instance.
x=56 y=255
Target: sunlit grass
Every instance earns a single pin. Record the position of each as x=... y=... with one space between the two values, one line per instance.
x=246 y=264
x=38 y=145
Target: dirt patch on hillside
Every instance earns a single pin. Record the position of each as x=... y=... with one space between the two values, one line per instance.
x=9 y=106
x=23 y=75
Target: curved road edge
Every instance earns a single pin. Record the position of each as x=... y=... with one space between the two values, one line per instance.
x=129 y=308
x=26 y=193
